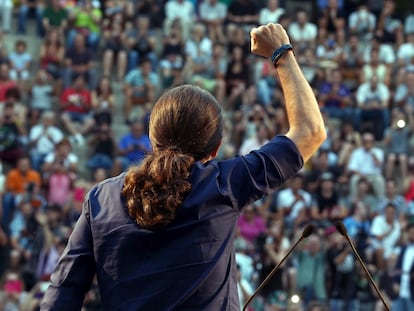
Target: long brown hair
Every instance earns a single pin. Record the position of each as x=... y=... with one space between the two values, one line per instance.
x=185 y=126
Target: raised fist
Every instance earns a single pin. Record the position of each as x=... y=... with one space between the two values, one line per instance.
x=267 y=38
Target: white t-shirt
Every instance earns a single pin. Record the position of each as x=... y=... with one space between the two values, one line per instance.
x=69 y=160
x=210 y=12
x=47 y=139
x=406 y=52
x=286 y=198
x=306 y=33
x=363 y=162
x=183 y=11
x=266 y=16
x=380 y=226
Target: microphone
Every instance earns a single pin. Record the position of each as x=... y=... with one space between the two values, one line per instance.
x=342 y=230
x=309 y=229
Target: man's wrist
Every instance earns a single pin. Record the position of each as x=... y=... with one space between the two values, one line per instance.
x=280 y=52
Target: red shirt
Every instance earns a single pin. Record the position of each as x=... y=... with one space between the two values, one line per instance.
x=4 y=86
x=76 y=101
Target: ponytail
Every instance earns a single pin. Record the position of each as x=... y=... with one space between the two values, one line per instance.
x=154 y=189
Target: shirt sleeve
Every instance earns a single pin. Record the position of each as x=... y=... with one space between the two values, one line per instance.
x=246 y=179
x=75 y=270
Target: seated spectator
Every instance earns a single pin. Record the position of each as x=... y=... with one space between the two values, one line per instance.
x=41 y=95
x=405 y=53
x=42 y=139
x=236 y=77
x=3 y=49
x=20 y=61
x=153 y=9
x=409 y=24
x=55 y=17
x=294 y=203
x=332 y=18
x=385 y=233
x=62 y=159
x=12 y=134
x=181 y=11
x=302 y=32
x=404 y=92
x=335 y=98
x=132 y=147
x=86 y=20
x=396 y=142
x=243 y=13
x=328 y=49
x=260 y=138
x=78 y=61
x=103 y=147
x=349 y=139
x=366 y=161
x=362 y=22
x=210 y=75
x=76 y=105
x=372 y=106
x=52 y=54
x=6 y=82
x=6 y=9
x=310 y=270
x=172 y=59
x=393 y=196
x=358 y=225
x=103 y=101
x=351 y=61
x=25 y=6
x=270 y=13
x=116 y=46
x=19 y=181
x=251 y=224
x=213 y=14
x=376 y=68
x=389 y=27
x=141 y=43
x=141 y=86
x=386 y=52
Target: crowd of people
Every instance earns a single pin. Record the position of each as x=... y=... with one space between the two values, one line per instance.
x=101 y=59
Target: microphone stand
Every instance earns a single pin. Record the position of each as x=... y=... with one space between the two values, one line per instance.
x=306 y=232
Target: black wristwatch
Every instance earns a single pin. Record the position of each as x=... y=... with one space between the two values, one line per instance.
x=278 y=53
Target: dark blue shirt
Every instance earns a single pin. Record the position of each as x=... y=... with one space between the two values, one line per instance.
x=188 y=265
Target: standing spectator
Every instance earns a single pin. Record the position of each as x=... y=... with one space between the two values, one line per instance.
x=132 y=147
x=24 y=7
x=213 y=14
x=42 y=139
x=372 y=103
x=303 y=32
x=78 y=61
x=270 y=13
x=366 y=161
x=76 y=105
x=183 y=12
x=55 y=17
x=385 y=233
x=404 y=270
x=86 y=21
x=141 y=86
x=6 y=8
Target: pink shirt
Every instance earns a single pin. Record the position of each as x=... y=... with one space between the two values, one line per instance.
x=250 y=230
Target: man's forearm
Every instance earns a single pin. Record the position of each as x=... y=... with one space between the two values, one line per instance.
x=303 y=112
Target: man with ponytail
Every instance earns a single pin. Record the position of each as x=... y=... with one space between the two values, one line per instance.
x=160 y=236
